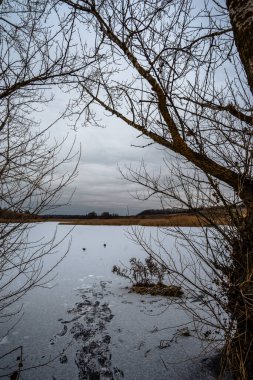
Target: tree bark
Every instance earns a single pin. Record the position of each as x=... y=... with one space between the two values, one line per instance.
x=240 y=302
x=241 y=18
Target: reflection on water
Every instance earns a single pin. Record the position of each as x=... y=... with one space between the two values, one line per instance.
x=87 y=326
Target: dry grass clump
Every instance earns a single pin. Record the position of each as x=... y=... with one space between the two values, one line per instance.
x=158 y=290
x=147 y=278
x=173 y=220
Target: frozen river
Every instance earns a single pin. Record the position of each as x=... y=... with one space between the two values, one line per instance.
x=86 y=324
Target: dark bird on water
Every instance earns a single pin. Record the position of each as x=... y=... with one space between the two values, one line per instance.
x=84 y=249
x=104 y=245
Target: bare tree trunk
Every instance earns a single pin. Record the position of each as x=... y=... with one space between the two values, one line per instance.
x=240 y=302
x=241 y=295
x=241 y=17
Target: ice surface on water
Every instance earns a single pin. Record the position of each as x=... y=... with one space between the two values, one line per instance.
x=4 y=340
x=134 y=325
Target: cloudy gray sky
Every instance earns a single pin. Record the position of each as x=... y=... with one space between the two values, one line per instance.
x=99 y=185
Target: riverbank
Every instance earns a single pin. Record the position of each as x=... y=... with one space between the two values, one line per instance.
x=173 y=220
x=202 y=217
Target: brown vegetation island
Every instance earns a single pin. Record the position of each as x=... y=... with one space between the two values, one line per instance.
x=168 y=217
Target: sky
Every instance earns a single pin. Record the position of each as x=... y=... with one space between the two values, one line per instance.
x=99 y=186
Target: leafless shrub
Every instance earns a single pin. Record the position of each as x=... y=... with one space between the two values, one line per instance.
x=140 y=273
x=31 y=179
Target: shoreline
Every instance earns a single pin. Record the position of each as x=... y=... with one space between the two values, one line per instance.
x=173 y=220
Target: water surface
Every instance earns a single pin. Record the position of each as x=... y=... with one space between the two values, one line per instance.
x=86 y=324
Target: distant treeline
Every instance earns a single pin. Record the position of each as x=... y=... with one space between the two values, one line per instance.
x=13 y=215
x=90 y=215
x=169 y=211
x=166 y=211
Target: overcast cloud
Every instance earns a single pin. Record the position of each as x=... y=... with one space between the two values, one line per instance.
x=99 y=185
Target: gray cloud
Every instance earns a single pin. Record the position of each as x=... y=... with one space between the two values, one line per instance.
x=99 y=185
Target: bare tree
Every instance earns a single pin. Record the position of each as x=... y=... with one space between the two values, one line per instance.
x=182 y=76
x=30 y=183
x=32 y=56
x=201 y=262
